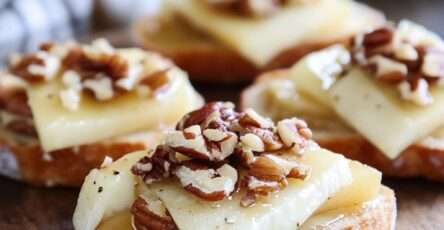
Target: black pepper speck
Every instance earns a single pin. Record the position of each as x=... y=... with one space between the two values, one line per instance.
x=100 y=189
x=116 y=172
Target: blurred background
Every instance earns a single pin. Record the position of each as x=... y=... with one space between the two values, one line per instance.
x=24 y=24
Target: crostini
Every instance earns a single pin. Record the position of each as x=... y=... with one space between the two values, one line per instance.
x=66 y=106
x=223 y=169
x=245 y=37
x=378 y=100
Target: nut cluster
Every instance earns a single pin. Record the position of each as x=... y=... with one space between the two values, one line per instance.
x=97 y=69
x=409 y=57
x=215 y=151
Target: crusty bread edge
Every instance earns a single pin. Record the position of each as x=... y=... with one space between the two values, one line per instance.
x=27 y=162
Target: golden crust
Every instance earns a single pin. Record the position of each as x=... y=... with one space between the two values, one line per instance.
x=419 y=160
x=66 y=167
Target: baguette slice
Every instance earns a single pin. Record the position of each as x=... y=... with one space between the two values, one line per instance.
x=423 y=159
x=22 y=157
x=172 y=36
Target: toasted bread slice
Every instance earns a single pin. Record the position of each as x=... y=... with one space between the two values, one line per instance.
x=44 y=141
x=423 y=159
x=377 y=214
x=192 y=49
x=22 y=158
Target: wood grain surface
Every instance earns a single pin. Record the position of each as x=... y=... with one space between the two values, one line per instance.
x=420 y=203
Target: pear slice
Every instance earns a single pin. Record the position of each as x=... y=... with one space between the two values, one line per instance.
x=106 y=191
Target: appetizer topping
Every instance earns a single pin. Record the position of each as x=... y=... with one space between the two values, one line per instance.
x=207 y=183
x=157 y=166
x=97 y=69
x=221 y=145
x=151 y=214
x=409 y=57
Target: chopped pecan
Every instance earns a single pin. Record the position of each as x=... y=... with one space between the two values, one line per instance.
x=207 y=183
x=157 y=81
x=378 y=37
x=22 y=68
x=271 y=139
x=257 y=187
x=251 y=118
x=403 y=57
x=211 y=115
x=157 y=166
x=295 y=134
x=275 y=168
x=219 y=141
x=144 y=218
x=112 y=65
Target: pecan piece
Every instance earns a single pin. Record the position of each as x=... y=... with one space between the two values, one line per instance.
x=378 y=37
x=207 y=183
x=295 y=134
x=146 y=218
x=157 y=166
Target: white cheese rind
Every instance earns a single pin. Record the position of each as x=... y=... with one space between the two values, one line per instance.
x=379 y=114
x=93 y=121
x=330 y=173
x=261 y=40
